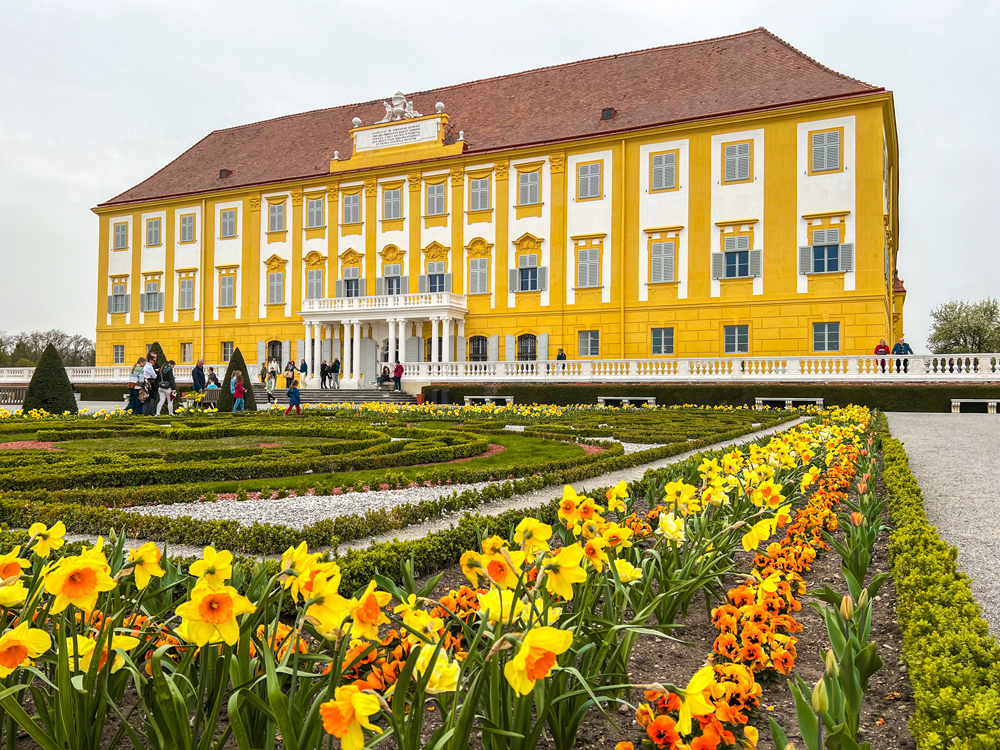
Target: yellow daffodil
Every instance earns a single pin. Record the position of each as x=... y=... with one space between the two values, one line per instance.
x=536 y=657
x=694 y=702
x=500 y=606
x=671 y=529
x=11 y=565
x=493 y=545
x=444 y=673
x=328 y=611
x=46 y=539
x=617 y=536
x=345 y=715
x=81 y=651
x=298 y=560
x=13 y=595
x=473 y=567
x=594 y=550
x=617 y=496
x=77 y=581
x=20 y=645
x=422 y=627
x=504 y=568
x=569 y=508
x=768 y=493
x=211 y=613
x=627 y=572
x=563 y=569
x=366 y=612
x=214 y=568
x=809 y=477
x=759 y=532
x=533 y=536
x=147 y=564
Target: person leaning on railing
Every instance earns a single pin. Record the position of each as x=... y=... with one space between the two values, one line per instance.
x=901 y=348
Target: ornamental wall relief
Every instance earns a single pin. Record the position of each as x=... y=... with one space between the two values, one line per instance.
x=479 y=247
x=436 y=251
x=351 y=257
x=392 y=254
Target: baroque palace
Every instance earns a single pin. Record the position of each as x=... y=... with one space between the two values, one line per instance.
x=731 y=197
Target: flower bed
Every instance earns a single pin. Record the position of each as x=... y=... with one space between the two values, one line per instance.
x=540 y=638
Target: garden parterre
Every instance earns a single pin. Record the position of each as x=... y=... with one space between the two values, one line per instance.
x=541 y=635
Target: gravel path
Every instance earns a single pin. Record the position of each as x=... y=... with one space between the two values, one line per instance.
x=293 y=511
x=953 y=457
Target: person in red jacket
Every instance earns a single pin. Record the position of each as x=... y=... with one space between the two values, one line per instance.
x=397 y=375
x=882 y=348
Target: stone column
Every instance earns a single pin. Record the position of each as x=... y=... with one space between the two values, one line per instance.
x=403 y=326
x=345 y=364
x=460 y=355
x=356 y=355
x=391 y=356
x=434 y=340
x=305 y=355
x=446 y=335
x=312 y=344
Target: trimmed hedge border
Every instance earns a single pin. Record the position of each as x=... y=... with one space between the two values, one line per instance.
x=934 y=398
x=23 y=509
x=952 y=659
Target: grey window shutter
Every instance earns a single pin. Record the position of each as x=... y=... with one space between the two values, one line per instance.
x=818 y=152
x=594 y=277
x=362 y=287
x=447 y=282
x=805 y=259
x=656 y=264
x=743 y=168
x=729 y=243
x=142 y=302
x=833 y=149
x=404 y=284
x=326 y=350
x=718 y=265
x=668 y=261
x=338 y=288
x=128 y=303
x=286 y=351
x=159 y=300
x=262 y=351
x=510 y=348
x=493 y=348
x=847 y=257
x=379 y=286
x=111 y=303
x=756 y=262
x=422 y=284
x=730 y=164
x=512 y=281
x=543 y=278
x=542 y=350
x=300 y=349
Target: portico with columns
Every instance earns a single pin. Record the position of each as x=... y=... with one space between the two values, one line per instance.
x=367 y=333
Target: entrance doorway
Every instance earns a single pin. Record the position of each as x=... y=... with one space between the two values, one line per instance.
x=274 y=352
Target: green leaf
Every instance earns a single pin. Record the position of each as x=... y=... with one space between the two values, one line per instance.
x=778 y=736
x=808 y=722
x=21 y=718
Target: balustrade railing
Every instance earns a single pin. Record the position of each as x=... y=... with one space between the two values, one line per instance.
x=836 y=368
x=385 y=302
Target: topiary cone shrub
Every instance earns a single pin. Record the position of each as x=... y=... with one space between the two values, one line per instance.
x=161 y=358
x=50 y=388
x=226 y=397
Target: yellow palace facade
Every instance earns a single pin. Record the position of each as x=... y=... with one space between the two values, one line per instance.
x=723 y=198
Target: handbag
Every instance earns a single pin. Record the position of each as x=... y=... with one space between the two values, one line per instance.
x=288 y=374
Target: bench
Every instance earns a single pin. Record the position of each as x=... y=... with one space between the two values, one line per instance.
x=627 y=400
x=991 y=404
x=469 y=400
x=788 y=403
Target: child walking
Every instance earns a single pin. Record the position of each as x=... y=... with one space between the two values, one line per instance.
x=272 y=379
x=239 y=391
x=294 y=399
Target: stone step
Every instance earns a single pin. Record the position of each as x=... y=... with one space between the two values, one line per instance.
x=336 y=396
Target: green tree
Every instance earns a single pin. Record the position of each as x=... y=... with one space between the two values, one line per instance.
x=226 y=397
x=960 y=327
x=50 y=388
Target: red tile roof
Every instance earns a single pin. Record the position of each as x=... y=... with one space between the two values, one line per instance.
x=897 y=284
x=749 y=71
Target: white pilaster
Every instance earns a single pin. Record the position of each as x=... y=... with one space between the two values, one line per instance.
x=391 y=355
x=447 y=339
x=356 y=356
x=403 y=329
x=434 y=340
x=345 y=365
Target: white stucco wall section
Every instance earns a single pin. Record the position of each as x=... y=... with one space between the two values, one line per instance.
x=354 y=242
x=151 y=260
x=589 y=217
x=398 y=237
x=187 y=255
x=667 y=208
x=229 y=252
x=538 y=226
x=743 y=200
x=317 y=244
x=827 y=192
x=441 y=235
x=267 y=249
x=120 y=263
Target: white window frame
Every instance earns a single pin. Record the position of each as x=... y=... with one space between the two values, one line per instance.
x=227 y=290
x=352 y=208
x=435 y=200
x=314 y=213
x=736 y=164
x=276 y=287
x=479 y=194
x=526 y=281
x=588 y=181
x=185 y=289
x=665 y=345
x=227 y=223
x=588 y=270
x=732 y=246
x=737 y=331
x=119 y=297
x=276 y=217
x=187 y=228
x=187 y=352
x=392 y=204
x=479 y=275
x=314 y=283
x=228 y=348
x=528 y=183
x=827 y=328
x=152 y=233
x=589 y=343
x=121 y=233
x=118 y=354
x=664 y=171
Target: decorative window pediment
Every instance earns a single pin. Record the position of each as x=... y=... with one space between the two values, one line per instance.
x=392 y=254
x=275 y=263
x=479 y=247
x=436 y=251
x=351 y=257
x=315 y=260
x=528 y=243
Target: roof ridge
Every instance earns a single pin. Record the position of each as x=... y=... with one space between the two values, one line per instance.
x=475 y=81
x=813 y=60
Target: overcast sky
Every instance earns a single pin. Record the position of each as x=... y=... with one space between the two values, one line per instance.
x=96 y=96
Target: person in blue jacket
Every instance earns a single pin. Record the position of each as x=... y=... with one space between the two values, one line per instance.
x=294 y=399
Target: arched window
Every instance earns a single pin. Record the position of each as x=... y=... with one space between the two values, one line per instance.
x=527 y=347
x=478 y=349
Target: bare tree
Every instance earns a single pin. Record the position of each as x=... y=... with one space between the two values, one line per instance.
x=75 y=350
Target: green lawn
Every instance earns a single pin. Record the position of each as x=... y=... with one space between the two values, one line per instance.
x=520 y=451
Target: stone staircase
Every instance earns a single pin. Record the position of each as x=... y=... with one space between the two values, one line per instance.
x=335 y=396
